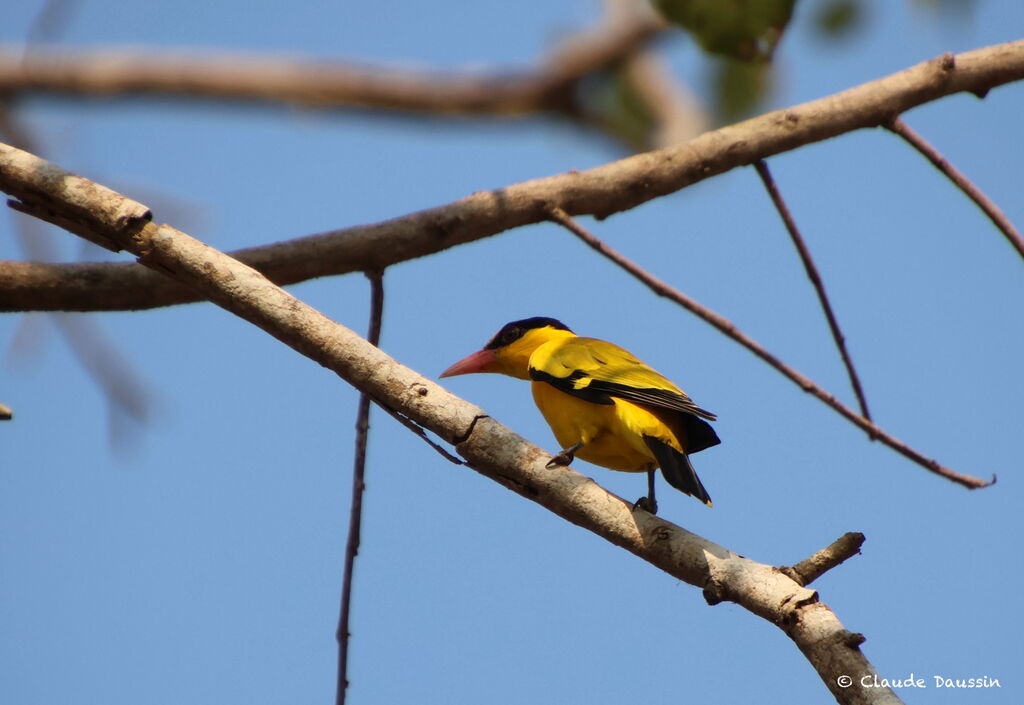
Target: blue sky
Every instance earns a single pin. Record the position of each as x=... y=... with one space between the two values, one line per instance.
x=199 y=559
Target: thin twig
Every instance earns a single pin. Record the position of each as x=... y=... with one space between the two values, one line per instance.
x=962 y=182
x=815 y=277
x=419 y=431
x=358 y=486
x=810 y=569
x=729 y=329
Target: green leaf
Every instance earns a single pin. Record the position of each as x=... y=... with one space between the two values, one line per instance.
x=839 y=18
x=746 y=30
x=739 y=87
x=609 y=99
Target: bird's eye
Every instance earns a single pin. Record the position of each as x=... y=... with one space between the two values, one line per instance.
x=510 y=335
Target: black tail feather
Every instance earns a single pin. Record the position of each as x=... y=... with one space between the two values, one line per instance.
x=677 y=470
x=699 y=434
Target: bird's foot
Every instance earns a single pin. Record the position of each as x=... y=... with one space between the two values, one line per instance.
x=561 y=460
x=564 y=458
x=648 y=504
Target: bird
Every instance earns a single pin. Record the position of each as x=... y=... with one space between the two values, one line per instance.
x=602 y=403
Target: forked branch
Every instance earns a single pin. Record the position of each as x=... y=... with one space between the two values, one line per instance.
x=602 y=191
x=819 y=285
x=729 y=328
x=489 y=447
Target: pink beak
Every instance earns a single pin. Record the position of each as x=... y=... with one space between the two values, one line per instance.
x=479 y=361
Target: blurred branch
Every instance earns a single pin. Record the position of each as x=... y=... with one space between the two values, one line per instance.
x=489 y=447
x=5 y=413
x=729 y=328
x=122 y=386
x=107 y=73
x=50 y=20
x=124 y=390
x=810 y=569
x=601 y=191
x=640 y=104
x=677 y=112
x=358 y=487
x=819 y=286
x=962 y=182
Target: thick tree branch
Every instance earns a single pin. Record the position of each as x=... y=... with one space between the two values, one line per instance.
x=728 y=328
x=489 y=447
x=601 y=191
x=106 y=73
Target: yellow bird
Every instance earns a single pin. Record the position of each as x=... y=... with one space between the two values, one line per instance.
x=603 y=404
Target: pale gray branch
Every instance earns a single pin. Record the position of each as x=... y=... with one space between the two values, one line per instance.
x=813 y=567
x=489 y=447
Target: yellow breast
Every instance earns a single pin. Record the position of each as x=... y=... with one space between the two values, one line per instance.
x=612 y=434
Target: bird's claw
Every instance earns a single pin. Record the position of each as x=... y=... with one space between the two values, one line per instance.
x=647 y=504
x=565 y=457
x=560 y=460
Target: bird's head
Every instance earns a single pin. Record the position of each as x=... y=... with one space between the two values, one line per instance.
x=509 y=351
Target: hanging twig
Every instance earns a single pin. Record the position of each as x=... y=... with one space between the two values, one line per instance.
x=419 y=431
x=962 y=182
x=819 y=286
x=729 y=328
x=358 y=485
